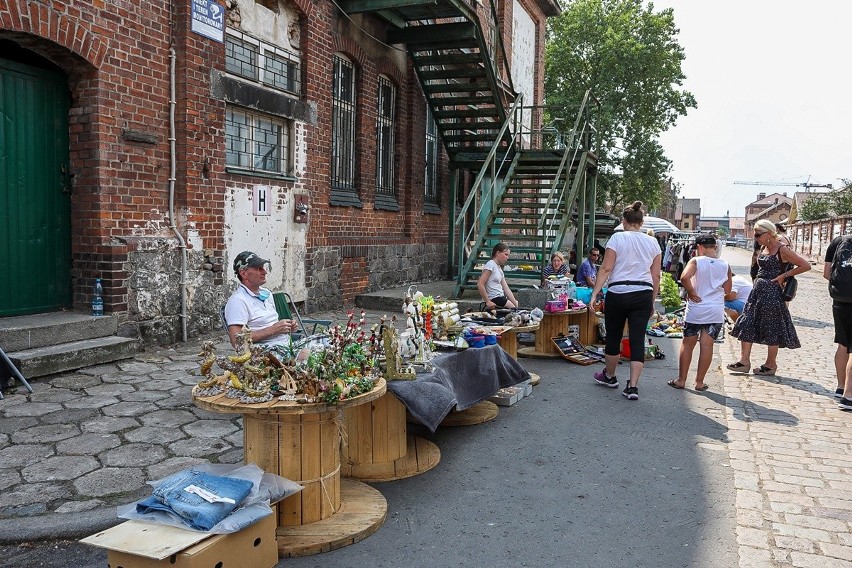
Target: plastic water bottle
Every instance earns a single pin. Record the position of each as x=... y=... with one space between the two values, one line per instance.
x=572 y=290
x=98 y=299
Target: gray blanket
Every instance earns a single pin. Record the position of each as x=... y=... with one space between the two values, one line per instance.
x=460 y=379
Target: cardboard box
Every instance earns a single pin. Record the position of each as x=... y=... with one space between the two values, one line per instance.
x=507 y=396
x=252 y=547
x=525 y=387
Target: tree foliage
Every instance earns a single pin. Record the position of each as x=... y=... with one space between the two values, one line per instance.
x=817 y=207
x=629 y=57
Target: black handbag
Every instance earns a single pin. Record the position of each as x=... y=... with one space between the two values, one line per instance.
x=789 y=291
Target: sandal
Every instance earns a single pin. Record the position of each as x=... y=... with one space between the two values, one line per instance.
x=763 y=370
x=737 y=367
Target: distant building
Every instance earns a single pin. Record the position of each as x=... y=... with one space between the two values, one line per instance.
x=687 y=213
x=774 y=207
x=666 y=209
x=736 y=227
x=800 y=198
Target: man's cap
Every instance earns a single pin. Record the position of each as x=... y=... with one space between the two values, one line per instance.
x=705 y=239
x=248 y=259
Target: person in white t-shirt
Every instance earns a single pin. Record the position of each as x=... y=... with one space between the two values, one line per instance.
x=492 y=284
x=736 y=299
x=252 y=305
x=631 y=272
x=707 y=280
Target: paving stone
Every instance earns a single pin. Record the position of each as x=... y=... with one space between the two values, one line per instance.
x=99 y=370
x=172 y=465
x=88 y=444
x=109 y=424
x=109 y=389
x=234 y=456
x=793 y=543
x=46 y=434
x=836 y=551
x=821 y=522
x=133 y=455
x=59 y=468
x=59 y=395
x=188 y=365
x=109 y=481
x=137 y=367
x=803 y=560
x=130 y=409
x=77 y=415
x=78 y=506
x=167 y=418
x=123 y=378
x=8 y=478
x=801 y=532
x=202 y=447
x=210 y=428
x=30 y=510
x=91 y=402
x=151 y=357
x=10 y=425
x=74 y=382
x=30 y=409
x=30 y=493
x=144 y=396
x=754 y=557
x=154 y=434
x=24 y=455
x=752 y=537
x=182 y=401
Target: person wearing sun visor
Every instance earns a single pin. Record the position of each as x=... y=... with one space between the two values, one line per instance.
x=252 y=305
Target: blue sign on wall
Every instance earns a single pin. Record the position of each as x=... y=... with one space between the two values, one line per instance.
x=208 y=19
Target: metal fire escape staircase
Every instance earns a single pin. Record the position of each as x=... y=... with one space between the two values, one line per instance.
x=527 y=179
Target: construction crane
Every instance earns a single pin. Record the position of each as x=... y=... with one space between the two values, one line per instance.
x=807 y=185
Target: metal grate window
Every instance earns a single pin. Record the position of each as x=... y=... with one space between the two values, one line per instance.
x=343 y=124
x=385 y=128
x=257 y=143
x=267 y=64
x=431 y=183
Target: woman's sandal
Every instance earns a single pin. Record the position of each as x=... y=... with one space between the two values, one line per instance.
x=737 y=367
x=763 y=370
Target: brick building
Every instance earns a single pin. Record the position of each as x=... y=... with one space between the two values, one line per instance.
x=147 y=144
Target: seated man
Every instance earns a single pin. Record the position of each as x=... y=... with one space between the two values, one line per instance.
x=736 y=299
x=588 y=272
x=252 y=305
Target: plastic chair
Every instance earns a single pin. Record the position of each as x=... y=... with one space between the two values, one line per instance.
x=286 y=309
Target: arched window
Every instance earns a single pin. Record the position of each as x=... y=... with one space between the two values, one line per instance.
x=385 y=139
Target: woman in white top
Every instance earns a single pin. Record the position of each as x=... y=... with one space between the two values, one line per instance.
x=631 y=272
x=492 y=284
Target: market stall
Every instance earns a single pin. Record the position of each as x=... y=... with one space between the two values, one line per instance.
x=556 y=324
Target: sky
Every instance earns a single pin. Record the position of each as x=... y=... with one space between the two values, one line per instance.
x=773 y=85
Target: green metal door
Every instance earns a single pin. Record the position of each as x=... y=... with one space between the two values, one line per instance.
x=35 y=247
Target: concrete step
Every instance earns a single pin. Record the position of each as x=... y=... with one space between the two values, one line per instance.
x=40 y=330
x=51 y=359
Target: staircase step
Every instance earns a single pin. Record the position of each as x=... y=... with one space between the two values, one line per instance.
x=436 y=60
x=39 y=330
x=457 y=87
x=436 y=36
x=490 y=112
x=73 y=355
x=466 y=72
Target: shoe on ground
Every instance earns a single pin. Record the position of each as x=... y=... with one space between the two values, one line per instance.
x=845 y=404
x=606 y=381
x=838 y=392
x=632 y=393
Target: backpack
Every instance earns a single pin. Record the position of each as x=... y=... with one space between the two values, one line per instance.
x=840 y=279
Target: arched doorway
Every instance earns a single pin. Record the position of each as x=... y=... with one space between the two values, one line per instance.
x=35 y=190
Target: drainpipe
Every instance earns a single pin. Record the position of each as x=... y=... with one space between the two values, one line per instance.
x=172 y=179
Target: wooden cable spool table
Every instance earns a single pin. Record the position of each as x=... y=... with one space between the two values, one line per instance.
x=301 y=442
x=377 y=445
x=555 y=324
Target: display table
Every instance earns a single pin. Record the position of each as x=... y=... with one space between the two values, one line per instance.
x=508 y=338
x=555 y=324
x=301 y=442
x=377 y=446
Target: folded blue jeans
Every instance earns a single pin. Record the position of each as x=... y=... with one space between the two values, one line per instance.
x=171 y=496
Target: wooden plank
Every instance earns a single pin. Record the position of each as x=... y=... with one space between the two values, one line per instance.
x=146 y=539
x=400 y=427
x=311 y=469
x=381 y=433
x=290 y=466
x=330 y=464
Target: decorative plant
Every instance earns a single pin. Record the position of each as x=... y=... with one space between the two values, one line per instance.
x=669 y=291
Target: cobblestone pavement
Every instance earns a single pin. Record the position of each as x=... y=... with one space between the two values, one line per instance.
x=91 y=439
x=788 y=450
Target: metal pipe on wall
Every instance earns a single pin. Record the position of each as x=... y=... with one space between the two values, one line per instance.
x=172 y=180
